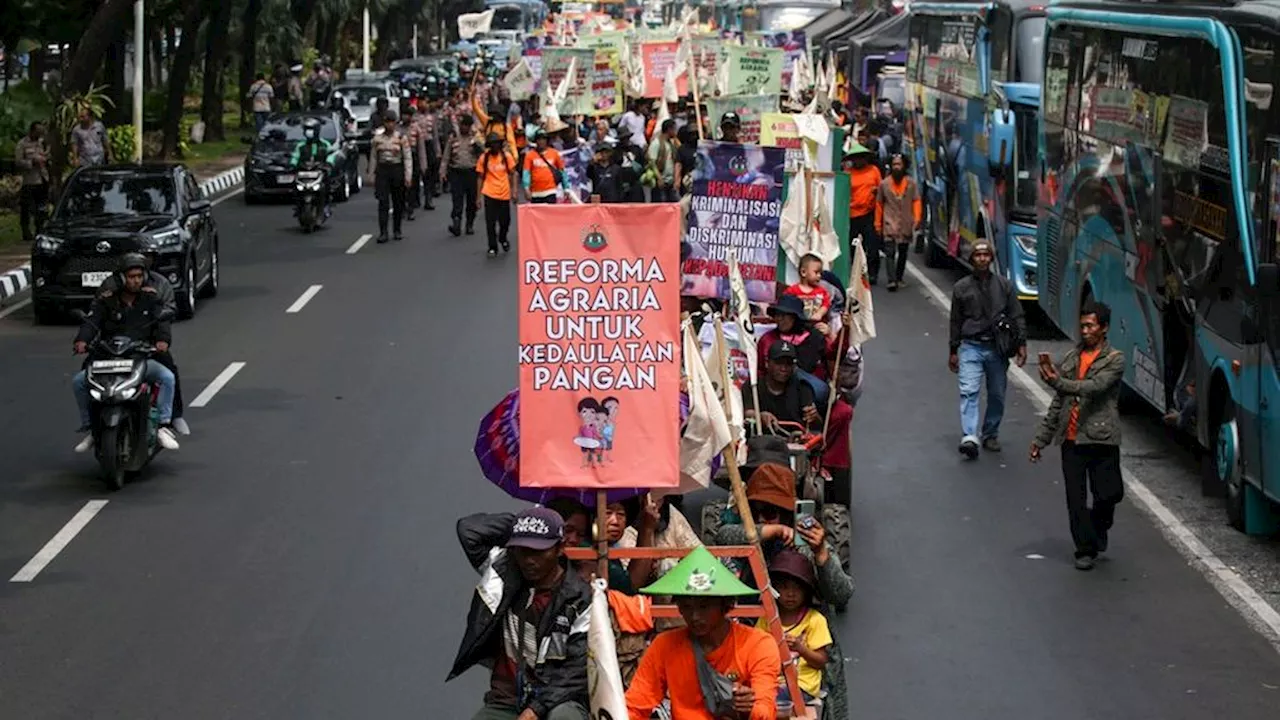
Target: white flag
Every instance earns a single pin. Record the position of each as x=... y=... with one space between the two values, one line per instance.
x=863 y=326
x=706 y=432
x=735 y=417
x=472 y=24
x=519 y=81
x=603 y=676
x=741 y=305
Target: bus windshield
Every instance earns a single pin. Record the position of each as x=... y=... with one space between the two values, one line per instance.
x=1030 y=46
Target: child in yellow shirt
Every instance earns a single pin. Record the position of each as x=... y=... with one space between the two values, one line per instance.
x=806 y=629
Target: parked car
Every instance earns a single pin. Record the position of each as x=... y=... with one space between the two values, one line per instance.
x=267 y=169
x=156 y=209
x=361 y=97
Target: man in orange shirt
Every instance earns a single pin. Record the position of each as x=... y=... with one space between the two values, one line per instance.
x=543 y=170
x=864 y=184
x=712 y=667
x=496 y=168
x=1085 y=419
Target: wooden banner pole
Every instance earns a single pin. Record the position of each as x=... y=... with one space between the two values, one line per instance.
x=729 y=456
x=602 y=536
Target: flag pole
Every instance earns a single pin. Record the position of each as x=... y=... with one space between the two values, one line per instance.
x=729 y=456
x=602 y=536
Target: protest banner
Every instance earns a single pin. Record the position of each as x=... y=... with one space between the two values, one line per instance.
x=736 y=205
x=706 y=54
x=754 y=71
x=779 y=130
x=555 y=64
x=599 y=308
x=750 y=108
x=794 y=45
x=657 y=58
x=607 y=96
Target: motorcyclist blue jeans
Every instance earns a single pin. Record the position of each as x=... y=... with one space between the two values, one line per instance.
x=979 y=360
x=156 y=374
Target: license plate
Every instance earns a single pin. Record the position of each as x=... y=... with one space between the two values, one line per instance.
x=284 y=179
x=111 y=366
x=94 y=279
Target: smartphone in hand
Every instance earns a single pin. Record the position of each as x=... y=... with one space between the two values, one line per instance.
x=1046 y=358
x=805 y=511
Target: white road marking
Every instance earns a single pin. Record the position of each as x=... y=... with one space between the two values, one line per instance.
x=59 y=542
x=1239 y=593
x=228 y=196
x=303 y=299
x=15 y=308
x=218 y=383
x=359 y=243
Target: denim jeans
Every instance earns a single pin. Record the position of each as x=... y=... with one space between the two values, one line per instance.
x=979 y=360
x=156 y=374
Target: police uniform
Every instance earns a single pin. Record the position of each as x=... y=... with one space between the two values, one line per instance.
x=428 y=124
x=392 y=171
x=412 y=132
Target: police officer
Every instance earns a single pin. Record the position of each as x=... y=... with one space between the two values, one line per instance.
x=412 y=132
x=391 y=169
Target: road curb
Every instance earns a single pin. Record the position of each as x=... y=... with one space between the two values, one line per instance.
x=14 y=282
x=17 y=281
x=222 y=182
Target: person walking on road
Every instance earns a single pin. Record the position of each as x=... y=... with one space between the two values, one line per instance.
x=415 y=140
x=1084 y=419
x=987 y=329
x=391 y=172
x=32 y=157
x=461 y=155
x=261 y=94
x=496 y=169
x=898 y=214
x=864 y=185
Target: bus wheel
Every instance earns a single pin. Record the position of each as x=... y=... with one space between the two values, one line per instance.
x=1225 y=459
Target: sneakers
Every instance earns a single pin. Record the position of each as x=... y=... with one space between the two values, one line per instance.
x=181 y=426
x=991 y=444
x=969 y=447
x=492 y=253
x=892 y=286
x=382 y=238
x=168 y=440
x=506 y=246
x=86 y=443
x=1084 y=563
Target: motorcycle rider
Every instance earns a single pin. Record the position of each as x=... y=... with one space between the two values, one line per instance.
x=135 y=311
x=314 y=149
x=390 y=169
x=164 y=291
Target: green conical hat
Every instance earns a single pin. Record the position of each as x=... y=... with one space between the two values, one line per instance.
x=699 y=574
x=856 y=148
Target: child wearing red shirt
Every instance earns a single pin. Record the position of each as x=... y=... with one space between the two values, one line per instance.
x=817 y=301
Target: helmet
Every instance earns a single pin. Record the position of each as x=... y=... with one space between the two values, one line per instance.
x=311 y=128
x=730 y=118
x=132 y=260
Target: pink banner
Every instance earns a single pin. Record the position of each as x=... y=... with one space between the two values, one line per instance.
x=658 y=56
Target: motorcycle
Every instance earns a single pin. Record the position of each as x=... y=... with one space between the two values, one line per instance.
x=126 y=420
x=310 y=193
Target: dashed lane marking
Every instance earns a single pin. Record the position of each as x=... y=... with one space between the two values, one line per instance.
x=59 y=542
x=303 y=299
x=218 y=383
x=359 y=243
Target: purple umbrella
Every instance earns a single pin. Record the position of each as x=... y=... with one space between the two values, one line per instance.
x=498 y=452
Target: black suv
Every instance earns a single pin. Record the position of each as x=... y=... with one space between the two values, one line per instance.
x=104 y=212
x=268 y=171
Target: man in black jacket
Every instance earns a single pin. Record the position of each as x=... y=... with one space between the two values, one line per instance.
x=528 y=620
x=135 y=311
x=981 y=305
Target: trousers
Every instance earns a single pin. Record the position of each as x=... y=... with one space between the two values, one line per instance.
x=31 y=203
x=895 y=251
x=389 y=187
x=462 y=190
x=1097 y=468
x=979 y=361
x=497 y=221
x=563 y=711
x=865 y=225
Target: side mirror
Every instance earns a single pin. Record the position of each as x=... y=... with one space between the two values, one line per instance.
x=1268 y=279
x=1003 y=132
x=200 y=205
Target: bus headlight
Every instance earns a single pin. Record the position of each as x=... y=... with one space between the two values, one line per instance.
x=1027 y=243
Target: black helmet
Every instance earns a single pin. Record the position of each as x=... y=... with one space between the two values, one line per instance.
x=132 y=260
x=311 y=127
x=730 y=118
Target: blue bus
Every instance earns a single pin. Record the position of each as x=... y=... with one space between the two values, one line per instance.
x=973 y=92
x=1159 y=196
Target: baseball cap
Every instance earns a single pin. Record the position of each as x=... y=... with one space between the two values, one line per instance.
x=537 y=528
x=980 y=246
x=782 y=350
x=730 y=118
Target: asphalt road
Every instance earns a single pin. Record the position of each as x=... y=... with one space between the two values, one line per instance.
x=296 y=558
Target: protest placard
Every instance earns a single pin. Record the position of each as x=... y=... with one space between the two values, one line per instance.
x=749 y=109
x=599 y=308
x=555 y=64
x=736 y=205
x=607 y=95
x=754 y=71
x=520 y=81
x=657 y=58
